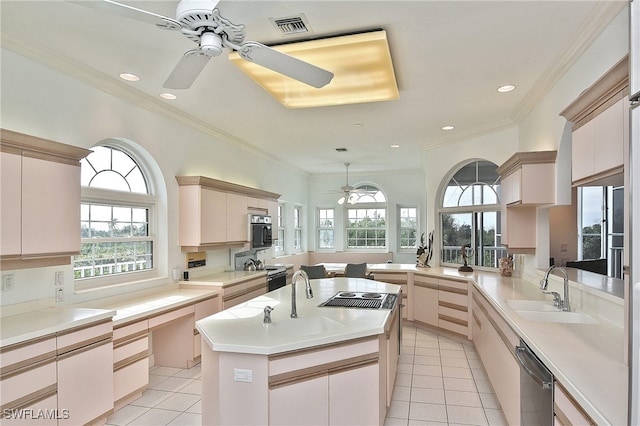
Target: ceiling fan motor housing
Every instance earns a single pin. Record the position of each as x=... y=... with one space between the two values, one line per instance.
x=196 y=17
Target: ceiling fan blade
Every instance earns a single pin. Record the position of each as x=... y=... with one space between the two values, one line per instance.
x=187 y=70
x=132 y=13
x=282 y=63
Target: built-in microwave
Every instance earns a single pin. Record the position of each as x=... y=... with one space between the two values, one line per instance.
x=260 y=231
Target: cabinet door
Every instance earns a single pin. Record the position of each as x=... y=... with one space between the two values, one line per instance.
x=50 y=207
x=582 y=147
x=354 y=397
x=10 y=207
x=85 y=383
x=237 y=218
x=213 y=216
x=425 y=300
x=609 y=136
x=302 y=403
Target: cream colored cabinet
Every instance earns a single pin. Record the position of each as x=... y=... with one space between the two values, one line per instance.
x=28 y=390
x=354 y=393
x=202 y=310
x=495 y=343
x=312 y=409
x=598 y=147
x=567 y=412
x=85 y=373
x=40 y=190
x=243 y=290
x=425 y=300
x=130 y=361
x=453 y=306
x=214 y=213
x=405 y=281
x=527 y=180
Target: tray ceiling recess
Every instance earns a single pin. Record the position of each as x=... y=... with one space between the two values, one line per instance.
x=361 y=65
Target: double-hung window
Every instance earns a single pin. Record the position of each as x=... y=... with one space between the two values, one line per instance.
x=278 y=246
x=407 y=228
x=117 y=220
x=366 y=219
x=297 y=228
x=325 y=231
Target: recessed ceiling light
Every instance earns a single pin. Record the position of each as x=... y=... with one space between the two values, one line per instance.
x=506 y=88
x=129 y=77
x=358 y=125
x=395 y=145
x=448 y=127
x=169 y=96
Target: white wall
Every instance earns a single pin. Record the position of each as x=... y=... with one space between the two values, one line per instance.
x=42 y=102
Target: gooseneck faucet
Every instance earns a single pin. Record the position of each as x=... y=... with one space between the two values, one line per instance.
x=305 y=277
x=544 y=283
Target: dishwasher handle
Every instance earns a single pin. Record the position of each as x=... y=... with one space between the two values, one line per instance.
x=529 y=364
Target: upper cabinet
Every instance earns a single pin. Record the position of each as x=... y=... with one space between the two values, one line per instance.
x=600 y=129
x=215 y=213
x=40 y=191
x=527 y=180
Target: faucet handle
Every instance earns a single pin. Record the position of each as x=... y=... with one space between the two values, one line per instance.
x=557 y=301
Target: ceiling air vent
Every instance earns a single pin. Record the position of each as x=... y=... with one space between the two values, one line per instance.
x=341 y=149
x=292 y=25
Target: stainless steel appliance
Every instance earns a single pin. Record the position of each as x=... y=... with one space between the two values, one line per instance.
x=260 y=228
x=352 y=299
x=536 y=389
x=276 y=277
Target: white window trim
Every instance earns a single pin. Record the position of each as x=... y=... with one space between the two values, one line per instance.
x=318 y=228
x=378 y=206
x=398 y=228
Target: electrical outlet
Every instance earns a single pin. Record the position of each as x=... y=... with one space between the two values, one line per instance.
x=59 y=278
x=7 y=282
x=59 y=294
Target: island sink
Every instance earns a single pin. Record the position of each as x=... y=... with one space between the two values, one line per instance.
x=307 y=326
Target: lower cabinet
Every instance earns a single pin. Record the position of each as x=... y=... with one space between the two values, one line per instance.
x=244 y=290
x=404 y=280
x=495 y=342
x=85 y=374
x=28 y=390
x=130 y=361
x=425 y=300
x=567 y=412
x=311 y=410
x=454 y=306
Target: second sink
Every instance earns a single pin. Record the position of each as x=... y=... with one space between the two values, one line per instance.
x=531 y=305
x=307 y=326
x=558 y=316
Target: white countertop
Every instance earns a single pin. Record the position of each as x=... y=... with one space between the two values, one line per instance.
x=136 y=306
x=223 y=279
x=241 y=328
x=32 y=325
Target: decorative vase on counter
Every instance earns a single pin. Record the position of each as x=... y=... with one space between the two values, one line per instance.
x=506 y=266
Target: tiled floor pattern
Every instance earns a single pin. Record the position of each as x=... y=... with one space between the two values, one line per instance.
x=440 y=381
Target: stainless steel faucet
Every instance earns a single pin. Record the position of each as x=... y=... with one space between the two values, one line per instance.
x=305 y=277
x=563 y=305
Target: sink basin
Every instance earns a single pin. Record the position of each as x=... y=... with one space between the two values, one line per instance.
x=307 y=326
x=558 y=316
x=532 y=305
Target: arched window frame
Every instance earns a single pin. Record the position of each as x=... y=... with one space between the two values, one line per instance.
x=474 y=214
x=150 y=201
x=366 y=198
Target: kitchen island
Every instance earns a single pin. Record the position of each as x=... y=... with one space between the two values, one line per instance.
x=329 y=363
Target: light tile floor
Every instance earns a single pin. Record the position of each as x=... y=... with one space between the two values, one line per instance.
x=440 y=381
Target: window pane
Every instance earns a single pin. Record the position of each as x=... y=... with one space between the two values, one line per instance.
x=456 y=231
x=137 y=182
x=325 y=238
x=108 y=179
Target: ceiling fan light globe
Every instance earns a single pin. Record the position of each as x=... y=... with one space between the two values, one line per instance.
x=211 y=44
x=341 y=200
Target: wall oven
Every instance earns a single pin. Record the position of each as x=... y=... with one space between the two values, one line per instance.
x=260 y=231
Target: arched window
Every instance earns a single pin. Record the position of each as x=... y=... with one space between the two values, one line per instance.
x=117 y=219
x=366 y=224
x=470 y=215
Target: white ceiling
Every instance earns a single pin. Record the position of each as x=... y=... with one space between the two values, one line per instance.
x=449 y=58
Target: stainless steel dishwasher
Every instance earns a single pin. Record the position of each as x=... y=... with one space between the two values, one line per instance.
x=536 y=389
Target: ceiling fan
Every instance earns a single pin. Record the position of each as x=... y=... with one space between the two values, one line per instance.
x=201 y=22
x=350 y=194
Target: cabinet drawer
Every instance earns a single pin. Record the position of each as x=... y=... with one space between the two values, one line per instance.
x=445 y=323
x=132 y=378
x=453 y=312
x=206 y=307
x=243 y=297
x=41 y=411
x=26 y=384
x=78 y=338
x=567 y=411
x=22 y=354
x=391 y=278
x=162 y=319
x=129 y=331
x=133 y=349
x=453 y=298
